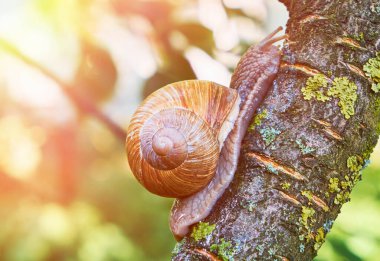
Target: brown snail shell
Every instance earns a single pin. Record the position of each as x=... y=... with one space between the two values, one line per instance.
x=175 y=136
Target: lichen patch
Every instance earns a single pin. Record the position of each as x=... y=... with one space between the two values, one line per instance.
x=202 y=230
x=316 y=87
x=257 y=120
x=372 y=70
x=345 y=91
x=341 y=88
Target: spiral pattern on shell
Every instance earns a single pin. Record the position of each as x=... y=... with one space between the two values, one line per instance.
x=173 y=140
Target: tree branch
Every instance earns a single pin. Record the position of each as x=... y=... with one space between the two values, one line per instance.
x=80 y=101
x=301 y=162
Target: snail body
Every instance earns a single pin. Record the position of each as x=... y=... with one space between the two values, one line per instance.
x=184 y=140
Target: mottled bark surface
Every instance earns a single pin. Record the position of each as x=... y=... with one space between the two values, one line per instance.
x=301 y=161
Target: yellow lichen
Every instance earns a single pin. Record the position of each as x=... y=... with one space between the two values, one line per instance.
x=355 y=163
x=315 y=88
x=202 y=230
x=307 y=194
x=342 y=89
x=285 y=186
x=225 y=250
x=344 y=187
x=372 y=70
x=307 y=217
x=334 y=185
x=258 y=119
x=345 y=91
x=319 y=238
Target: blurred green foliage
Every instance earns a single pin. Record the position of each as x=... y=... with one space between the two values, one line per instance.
x=355 y=235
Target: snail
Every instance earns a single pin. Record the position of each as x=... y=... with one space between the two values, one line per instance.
x=184 y=140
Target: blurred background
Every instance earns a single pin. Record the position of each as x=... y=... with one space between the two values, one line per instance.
x=70 y=67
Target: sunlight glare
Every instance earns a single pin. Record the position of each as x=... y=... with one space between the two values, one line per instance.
x=123 y=43
x=28 y=87
x=251 y=8
x=248 y=30
x=20 y=151
x=206 y=68
x=101 y=138
x=212 y=13
x=25 y=85
x=226 y=36
x=213 y=16
x=55 y=224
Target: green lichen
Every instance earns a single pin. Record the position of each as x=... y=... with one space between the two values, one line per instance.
x=375 y=87
x=309 y=236
x=367 y=153
x=319 y=238
x=342 y=198
x=202 y=230
x=269 y=135
x=307 y=217
x=285 y=186
x=350 y=181
x=272 y=251
x=258 y=120
x=345 y=91
x=304 y=149
x=355 y=163
x=345 y=186
x=248 y=205
x=334 y=185
x=372 y=70
x=346 y=183
x=357 y=176
x=260 y=248
x=315 y=88
x=302 y=248
x=375 y=9
x=178 y=247
x=224 y=249
x=342 y=89
x=306 y=222
x=359 y=37
x=272 y=169
x=307 y=194
x=328 y=225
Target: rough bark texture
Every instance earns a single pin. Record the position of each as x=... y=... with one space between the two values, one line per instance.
x=301 y=161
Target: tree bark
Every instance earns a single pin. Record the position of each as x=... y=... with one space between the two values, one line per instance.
x=299 y=164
